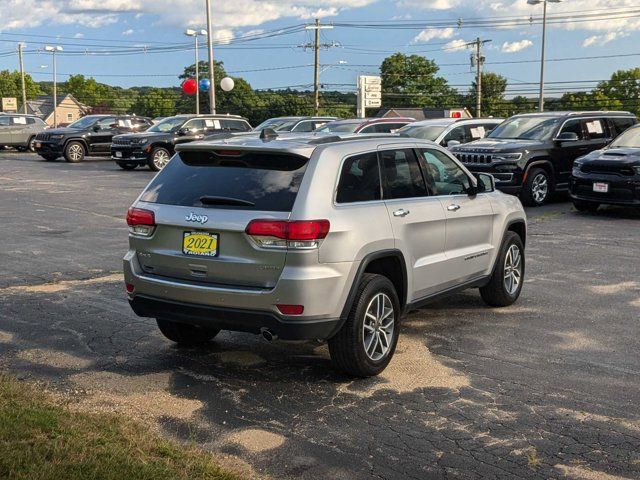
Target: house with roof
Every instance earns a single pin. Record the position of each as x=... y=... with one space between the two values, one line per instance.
x=424 y=113
x=68 y=110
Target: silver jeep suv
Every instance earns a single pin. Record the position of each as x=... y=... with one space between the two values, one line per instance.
x=317 y=237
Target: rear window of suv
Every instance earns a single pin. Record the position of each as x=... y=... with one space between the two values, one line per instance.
x=263 y=181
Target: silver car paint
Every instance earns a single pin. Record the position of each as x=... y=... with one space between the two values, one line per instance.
x=441 y=248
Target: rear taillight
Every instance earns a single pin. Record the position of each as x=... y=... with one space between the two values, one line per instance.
x=300 y=234
x=141 y=222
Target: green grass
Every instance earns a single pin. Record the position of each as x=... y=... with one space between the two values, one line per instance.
x=41 y=440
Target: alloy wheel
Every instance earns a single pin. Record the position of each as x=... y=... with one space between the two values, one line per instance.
x=539 y=188
x=75 y=152
x=512 y=270
x=377 y=328
x=160 y=159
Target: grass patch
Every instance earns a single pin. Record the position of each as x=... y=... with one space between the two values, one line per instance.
x=41 y=440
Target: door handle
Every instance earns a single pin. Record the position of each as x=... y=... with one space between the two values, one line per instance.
x=401 y=213
x=453 y=208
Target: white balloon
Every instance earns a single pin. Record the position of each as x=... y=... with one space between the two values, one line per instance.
x=227 y=84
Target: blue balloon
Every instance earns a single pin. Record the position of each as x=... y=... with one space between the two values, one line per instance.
x=205 y=84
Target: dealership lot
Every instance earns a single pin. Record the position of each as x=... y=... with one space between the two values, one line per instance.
x=545 y=388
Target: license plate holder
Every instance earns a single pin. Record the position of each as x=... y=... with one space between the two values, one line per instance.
x=200 y=244
x=600 y=187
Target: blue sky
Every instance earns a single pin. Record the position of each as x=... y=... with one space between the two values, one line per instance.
x=98 y=25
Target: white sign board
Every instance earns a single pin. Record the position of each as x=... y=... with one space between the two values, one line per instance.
x=371 y=103
x=369 y=93
x=9 y=104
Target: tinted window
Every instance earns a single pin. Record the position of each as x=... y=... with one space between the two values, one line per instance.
x=403 y=178
x=596 y=129
x=445 y=176
x=532 y=128
x=426 y=132
x=196 y=124
x=31 y=120
x=304 y=127
x=4 y=121
x=106 y=123
x=573 y=126
x=620 y=124
x=382 y=128
x=235 y=125
x=458 y=134
x=269 y=181
x=359 y=179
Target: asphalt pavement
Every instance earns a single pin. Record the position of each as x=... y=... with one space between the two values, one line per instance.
x=547 y=388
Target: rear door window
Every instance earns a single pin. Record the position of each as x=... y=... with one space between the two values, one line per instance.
x=402 y=175
x=4 y=121
x=620 y=124
x=359 y=179
x=235 y=125
x=262 y=181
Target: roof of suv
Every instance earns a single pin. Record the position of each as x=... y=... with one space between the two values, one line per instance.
x=291 y=143
x=209 y=115
x=450 y=121
x=576 y=114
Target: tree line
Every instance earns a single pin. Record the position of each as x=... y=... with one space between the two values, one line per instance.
x=410 y=81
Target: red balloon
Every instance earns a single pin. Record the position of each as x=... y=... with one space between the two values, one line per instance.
x=189 y=86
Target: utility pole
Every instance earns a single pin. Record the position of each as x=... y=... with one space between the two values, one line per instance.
x=194 y=33
x=478 y=58
x=316 y=64
x=53 y=50
x=212 y=87
x=24 y=88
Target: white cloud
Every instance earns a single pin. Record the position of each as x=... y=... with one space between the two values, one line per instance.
x=513 y=47
x=432 y=33
x=128 y=31
x=456 y=45
x=78 y=35
x=429 y=4
x=599 y=40
x=94 y=13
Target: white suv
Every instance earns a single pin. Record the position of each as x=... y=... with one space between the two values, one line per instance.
x=317 y=237
x=450 y=132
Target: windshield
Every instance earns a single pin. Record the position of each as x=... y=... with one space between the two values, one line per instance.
x=529 y=128
x=425 y=132
x=84 y=122
x=168 y=124
x=628 y=139
x=277 y=124
x=339 y=127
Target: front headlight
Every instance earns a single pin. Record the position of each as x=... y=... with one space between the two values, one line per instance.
x=141 y=141
x=506 y=157
x=637 y=169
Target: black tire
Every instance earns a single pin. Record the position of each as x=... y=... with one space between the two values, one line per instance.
x=185 y=334
x=49 y=158
x=74 y=152
x=538 y=181
x=21 y=149
x=496 y=292
x=127 y=166
x=157 y=158
x=585 y=206
x=31 y=145
x=347 y=347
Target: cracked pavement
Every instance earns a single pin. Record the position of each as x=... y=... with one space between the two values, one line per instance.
x=547 y=388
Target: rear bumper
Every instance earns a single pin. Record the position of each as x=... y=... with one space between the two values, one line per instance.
x=238 y=320
x=622 y=191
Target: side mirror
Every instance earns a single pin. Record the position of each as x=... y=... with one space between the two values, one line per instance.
x=567 y=137
x=184 y=131
x=486 y=183
x=452 y=143
x=97 y=128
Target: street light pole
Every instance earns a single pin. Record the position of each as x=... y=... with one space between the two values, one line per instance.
x=544 y=38
x=53 y=50
x=194 y=34
x=212 y=87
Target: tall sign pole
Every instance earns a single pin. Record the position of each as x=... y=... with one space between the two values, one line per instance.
x=212 y=87
x=316 y=69
x=369 y=93
x=24 y=88
x=478 y=58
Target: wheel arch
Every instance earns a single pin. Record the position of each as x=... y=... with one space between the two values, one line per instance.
x=545 y=164
x=519 y=227
x=391 y=264
x=81 y=141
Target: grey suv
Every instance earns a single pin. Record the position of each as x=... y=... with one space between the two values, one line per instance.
x=19 y=131
x=317 y=237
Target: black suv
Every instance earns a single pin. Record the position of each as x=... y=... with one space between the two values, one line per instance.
x=91 y=135
x=532 y=154
x=155 y=147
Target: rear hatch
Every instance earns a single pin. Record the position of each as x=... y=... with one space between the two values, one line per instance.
x=203 y=201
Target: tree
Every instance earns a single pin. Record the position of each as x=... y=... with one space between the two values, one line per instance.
x=624 y=86
x=11 y=85
x=493 y=89
x=595 y=100
x=156 y=102
x=411 y=81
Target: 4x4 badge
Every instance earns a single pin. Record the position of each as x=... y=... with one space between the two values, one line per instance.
x=193 y=217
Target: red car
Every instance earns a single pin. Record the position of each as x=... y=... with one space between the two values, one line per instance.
x=366 y=125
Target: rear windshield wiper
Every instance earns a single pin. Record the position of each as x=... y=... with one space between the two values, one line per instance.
x=211 y=200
